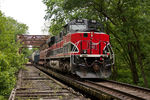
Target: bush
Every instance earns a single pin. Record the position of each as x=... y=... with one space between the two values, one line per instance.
x=10 y=60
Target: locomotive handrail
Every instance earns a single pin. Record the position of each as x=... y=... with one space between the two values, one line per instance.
x=90 y=44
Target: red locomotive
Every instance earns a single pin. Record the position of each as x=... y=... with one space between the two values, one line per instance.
x=80 y=49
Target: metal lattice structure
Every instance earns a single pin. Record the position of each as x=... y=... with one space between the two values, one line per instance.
x=32 y=41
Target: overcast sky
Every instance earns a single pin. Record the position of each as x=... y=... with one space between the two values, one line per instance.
x=29 y=12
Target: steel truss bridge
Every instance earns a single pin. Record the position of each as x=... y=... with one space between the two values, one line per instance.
x=32 y=41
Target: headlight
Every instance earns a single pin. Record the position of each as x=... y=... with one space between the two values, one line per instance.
x=93 y=21
x=79 y=21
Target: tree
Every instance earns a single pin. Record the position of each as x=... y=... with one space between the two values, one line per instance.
x=127 y=22
x=10 y=60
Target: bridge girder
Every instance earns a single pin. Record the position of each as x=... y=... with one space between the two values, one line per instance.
x=32 y=40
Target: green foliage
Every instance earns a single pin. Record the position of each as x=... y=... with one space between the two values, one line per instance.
x=127 y=22
x=27 y=52
x=2 y=98
x=10 y=59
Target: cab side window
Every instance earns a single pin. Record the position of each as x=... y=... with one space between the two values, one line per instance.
x=66 y=30
x=61 y=35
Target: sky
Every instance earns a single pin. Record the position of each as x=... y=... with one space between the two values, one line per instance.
x=29 y=12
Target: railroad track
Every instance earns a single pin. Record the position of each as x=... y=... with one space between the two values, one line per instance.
x=33 y=84
x=105 y=90
x=120 y=90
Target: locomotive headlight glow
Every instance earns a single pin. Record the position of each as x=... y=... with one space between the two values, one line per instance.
x=93 y=21
x=79 y=21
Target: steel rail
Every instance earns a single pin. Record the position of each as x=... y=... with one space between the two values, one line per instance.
x=123 y=95
x=140 y=92
x=97 y=89
x=129 y=85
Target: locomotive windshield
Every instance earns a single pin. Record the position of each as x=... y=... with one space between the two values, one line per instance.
x=78 y=27
x=84 y=25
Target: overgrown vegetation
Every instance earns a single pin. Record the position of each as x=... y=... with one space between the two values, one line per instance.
x=127 y=22
x=10 y=59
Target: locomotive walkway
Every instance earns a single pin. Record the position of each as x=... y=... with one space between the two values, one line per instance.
x=35 y=85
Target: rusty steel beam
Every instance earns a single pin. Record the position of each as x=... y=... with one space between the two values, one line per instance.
x=33 y=43
x=32 y=40
x=33 y=37
x=25 y=46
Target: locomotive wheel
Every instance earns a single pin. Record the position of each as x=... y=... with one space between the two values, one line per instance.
x=62 y=65
x=67 y=66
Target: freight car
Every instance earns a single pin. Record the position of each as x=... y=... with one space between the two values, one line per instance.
x=81 y=49
x=35 y=57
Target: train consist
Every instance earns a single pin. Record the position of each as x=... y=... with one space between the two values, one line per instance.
x=80 y=49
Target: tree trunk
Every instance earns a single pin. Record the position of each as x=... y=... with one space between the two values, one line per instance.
x=142 y=71
x=139 y=56
x=138 y=52
x=132 y=64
